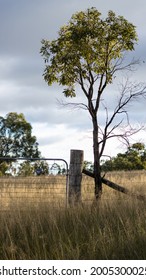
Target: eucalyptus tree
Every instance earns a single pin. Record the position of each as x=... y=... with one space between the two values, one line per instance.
x=16 y=139
x=133 y=159
x=88 y=53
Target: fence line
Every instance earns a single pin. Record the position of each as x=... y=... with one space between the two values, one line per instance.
x=23 y=192
x=50 y=189
x=28 y=188
x=134 y=182
x=32 y=192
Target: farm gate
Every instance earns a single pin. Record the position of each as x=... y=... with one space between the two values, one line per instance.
x=34 y=182
x=52 y=184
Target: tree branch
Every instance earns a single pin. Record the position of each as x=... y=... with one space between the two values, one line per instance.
x=130 y=92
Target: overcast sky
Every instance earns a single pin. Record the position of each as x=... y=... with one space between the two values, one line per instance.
x=23 y=24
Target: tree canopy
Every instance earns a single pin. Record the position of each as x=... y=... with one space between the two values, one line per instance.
x=88 y=48
x=16 y=139
x=88 y=52
x=28 y=168
x=133 y=159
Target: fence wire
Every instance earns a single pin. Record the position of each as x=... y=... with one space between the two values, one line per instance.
x=33 y=183
x=32 y=192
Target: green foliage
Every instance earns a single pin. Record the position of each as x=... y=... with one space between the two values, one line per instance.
x=3 y=168
x=88 y=165
x=87 y=44
x=41 y=167
x=16 y=138
x=133 y=159
x=26 y=169
x=29 y=168
x=88 y=52
x=56 y=169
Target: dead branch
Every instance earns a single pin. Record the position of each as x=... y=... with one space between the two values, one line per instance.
x=129 y=93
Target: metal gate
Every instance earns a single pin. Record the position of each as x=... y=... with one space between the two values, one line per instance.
x=13 y=180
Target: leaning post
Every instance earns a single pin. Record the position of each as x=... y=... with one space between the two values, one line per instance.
x=75 y=176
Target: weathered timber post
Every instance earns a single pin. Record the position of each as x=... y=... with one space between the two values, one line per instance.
x=75 y=176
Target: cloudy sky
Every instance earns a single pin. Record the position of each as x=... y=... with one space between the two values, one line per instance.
x=23 y=24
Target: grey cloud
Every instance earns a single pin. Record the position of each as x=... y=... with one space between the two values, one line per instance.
x=22 y=25
x=48 y=140
x=22 y=88
x=25 y=23
x=24 y=71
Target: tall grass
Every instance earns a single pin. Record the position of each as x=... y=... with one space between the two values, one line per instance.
x=114 y=228
x=108 y=230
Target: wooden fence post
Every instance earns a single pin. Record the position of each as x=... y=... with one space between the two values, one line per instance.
x=75 y=176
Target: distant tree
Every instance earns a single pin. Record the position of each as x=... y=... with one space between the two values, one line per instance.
x=3 y=168
x=30 y=168
x=16 y=138
x=41 y=167
x=88 y=165
x=55 y=169
x=89 y=52
x=38 y=168
x=25 y=169
x=133 y=159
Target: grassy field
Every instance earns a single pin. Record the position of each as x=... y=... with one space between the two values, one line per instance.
x=23 y=192
x=114 y=228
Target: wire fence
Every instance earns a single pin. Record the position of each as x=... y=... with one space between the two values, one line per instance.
x=44 y=191
x=37 y=182
x=32 y=192
x=134 y=181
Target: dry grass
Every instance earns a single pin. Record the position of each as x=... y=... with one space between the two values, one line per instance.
x=24 y=192
x=114 y=228
x=135 y=181
x=28 y=191
x=109 y=230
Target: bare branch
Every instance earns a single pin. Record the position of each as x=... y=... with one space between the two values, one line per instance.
x=73 y=105
x=124 y=134
x=129 y=93
x=121 y=66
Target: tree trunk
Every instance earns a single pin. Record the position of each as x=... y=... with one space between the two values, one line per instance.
x=97 y=169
